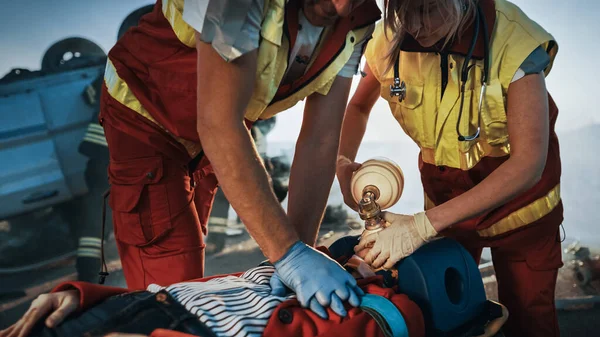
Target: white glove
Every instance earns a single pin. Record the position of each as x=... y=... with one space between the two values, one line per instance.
x=404 y=235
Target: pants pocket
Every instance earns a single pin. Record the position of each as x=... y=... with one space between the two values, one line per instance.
x=546 y=253
x=144 y=201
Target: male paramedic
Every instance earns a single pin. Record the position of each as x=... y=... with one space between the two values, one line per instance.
x=180 y=91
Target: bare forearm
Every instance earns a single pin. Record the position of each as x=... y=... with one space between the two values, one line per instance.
x=221 y=107
x=506 y=182
x=310 y=182
x=245 y=183
x=528 y=130
x=313 y=169
x=357 y=114
x=353 y=131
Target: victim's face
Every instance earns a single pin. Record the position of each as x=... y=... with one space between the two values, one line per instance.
x=326 y=12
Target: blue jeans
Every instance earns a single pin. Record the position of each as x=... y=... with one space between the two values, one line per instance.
x=137 y=312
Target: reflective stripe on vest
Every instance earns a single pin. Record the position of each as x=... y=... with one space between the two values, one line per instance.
x=272 y=61
x=431 y=121
x=272 y=58
x=119 y=90
x=470 y=158
x=519 y=218
x=172 y=10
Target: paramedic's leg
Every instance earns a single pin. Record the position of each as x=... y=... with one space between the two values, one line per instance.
x=153 y=199
x=526 y=277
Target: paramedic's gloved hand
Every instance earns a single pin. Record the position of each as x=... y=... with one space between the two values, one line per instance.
x=404 y=235
x=318 y=281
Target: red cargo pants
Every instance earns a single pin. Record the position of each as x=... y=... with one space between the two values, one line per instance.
x=526 y=263
x=160 y=212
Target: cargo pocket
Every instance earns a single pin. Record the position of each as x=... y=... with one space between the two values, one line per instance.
x=139 y=202
x=546 y=252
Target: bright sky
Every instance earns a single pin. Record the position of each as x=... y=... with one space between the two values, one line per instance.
x=28 y=27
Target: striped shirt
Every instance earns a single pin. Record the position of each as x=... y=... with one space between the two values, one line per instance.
x=230 y=306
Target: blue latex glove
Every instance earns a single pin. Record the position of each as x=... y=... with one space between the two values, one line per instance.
x=317 y=280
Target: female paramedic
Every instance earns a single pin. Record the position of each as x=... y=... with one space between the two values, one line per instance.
x=465 y=80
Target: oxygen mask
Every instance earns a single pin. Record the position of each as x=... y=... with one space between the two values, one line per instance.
x=376 y=186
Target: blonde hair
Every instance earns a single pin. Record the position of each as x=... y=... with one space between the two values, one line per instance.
x=400 y=15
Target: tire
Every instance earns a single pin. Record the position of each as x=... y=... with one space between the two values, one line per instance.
x=72 y=53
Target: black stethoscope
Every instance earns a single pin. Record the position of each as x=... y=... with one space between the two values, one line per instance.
x=398 y=88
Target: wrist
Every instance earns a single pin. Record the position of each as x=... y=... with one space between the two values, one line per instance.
x=438 y=221
x=282 y=248
x=291 y=253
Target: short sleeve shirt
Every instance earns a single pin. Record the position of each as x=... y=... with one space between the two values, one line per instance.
x=232 y=27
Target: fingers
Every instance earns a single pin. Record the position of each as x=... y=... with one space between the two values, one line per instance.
x=365 y=242
x=21 y=325
x=391 y=263
x=39 y=307
x=389 y=217
x=354 y=298
x=8 y=331
x=68 y=306
x=337 y=305
x=359 y=291
x=301 y=297
x=343 y=293
x=345 y=172
x=15 y=329
x=278 y=288
x=381 y=259
x=323 y=298
x=352 y=167
x=372 y=254
x=317 y=308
